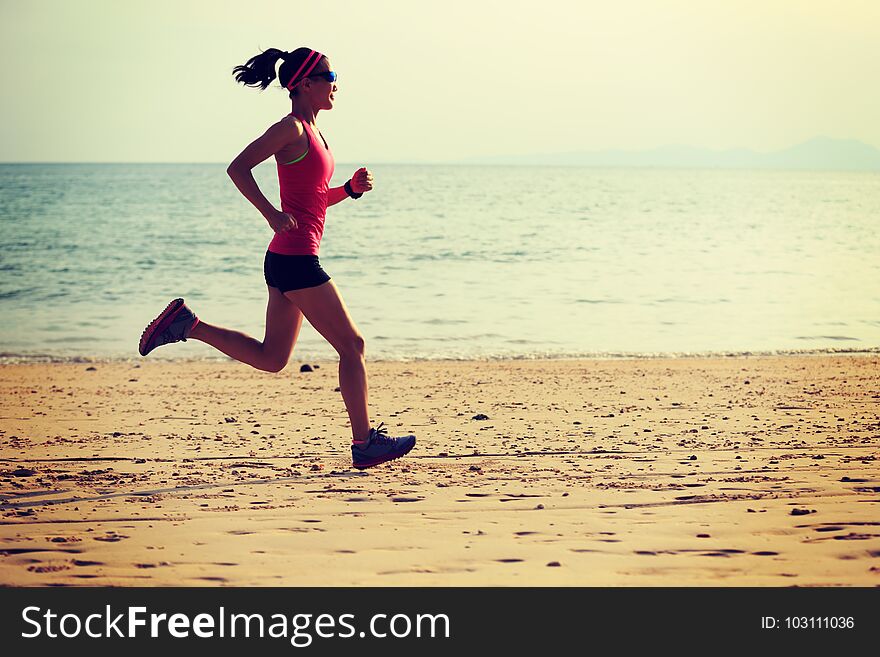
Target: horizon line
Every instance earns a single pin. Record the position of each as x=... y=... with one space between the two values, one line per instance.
x=461 y=163
x=470 y=159
x=473 y=160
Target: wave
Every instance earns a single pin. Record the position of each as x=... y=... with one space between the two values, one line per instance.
x=9 y=358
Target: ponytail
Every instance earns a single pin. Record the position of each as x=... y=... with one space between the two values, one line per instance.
x=259 y=71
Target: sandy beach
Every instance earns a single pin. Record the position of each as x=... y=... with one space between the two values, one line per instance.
x=669 y=472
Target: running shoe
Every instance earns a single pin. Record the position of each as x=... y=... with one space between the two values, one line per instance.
x=174 y=324
x=380 y=448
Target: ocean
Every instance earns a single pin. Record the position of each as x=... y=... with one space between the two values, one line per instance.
x=453 y=262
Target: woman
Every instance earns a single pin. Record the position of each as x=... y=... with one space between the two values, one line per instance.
x=298 y=286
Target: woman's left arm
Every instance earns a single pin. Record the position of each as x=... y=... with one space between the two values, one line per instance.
x=335 y=195
x=360 y=182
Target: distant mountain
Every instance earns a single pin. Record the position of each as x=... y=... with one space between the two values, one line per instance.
x=820 y=153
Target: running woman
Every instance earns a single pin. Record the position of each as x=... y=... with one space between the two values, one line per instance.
x=298 y=286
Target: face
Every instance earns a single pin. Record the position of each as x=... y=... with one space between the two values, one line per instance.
x=319 y=88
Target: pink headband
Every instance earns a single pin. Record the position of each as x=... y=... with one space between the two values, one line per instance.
x=305 y=69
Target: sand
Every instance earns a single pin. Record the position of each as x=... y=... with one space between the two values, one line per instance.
x=670 y=472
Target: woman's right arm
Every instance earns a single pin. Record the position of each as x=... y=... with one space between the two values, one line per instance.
x=278 y=136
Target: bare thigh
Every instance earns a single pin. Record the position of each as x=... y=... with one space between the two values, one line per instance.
x=283 y=323
x=323 y=306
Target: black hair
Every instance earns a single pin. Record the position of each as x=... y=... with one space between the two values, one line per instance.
x=259 y=70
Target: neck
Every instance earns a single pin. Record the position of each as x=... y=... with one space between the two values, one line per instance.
x=304 y=112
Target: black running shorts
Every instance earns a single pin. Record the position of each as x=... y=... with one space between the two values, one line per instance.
x=293 y=272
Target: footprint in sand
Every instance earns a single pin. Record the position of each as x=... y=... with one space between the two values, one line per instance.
x=13 y=551
x=853 y=536
x=49 y=568
x=301 y=530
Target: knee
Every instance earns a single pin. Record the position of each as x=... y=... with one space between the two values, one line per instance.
x=274 y=364
x=354 y=346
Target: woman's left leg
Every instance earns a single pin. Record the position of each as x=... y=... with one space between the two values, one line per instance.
x=324 y=308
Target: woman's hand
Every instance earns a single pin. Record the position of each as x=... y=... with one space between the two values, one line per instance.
x=281 y=222
x=361 y=181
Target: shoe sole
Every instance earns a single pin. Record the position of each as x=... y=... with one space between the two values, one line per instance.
x=158 y=325
x=363 y=466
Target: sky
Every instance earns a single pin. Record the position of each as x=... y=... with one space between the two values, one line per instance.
x=150 y=80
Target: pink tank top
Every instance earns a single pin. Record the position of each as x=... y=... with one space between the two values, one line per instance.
x=304 y=185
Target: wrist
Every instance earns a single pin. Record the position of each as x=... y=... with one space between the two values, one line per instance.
x=350 y=191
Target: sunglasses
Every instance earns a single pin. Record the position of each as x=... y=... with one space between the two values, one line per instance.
x=330 y=76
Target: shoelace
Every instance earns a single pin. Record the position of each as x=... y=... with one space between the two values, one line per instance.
x=175 y=331
x=380 y=435
x=167 y=336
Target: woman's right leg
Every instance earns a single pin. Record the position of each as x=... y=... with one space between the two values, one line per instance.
x=283 y=322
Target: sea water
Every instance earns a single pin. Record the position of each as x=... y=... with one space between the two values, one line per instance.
x=453 y=261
